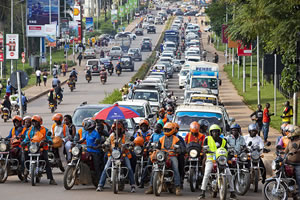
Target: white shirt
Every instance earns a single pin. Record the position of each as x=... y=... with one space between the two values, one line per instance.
x=58 y=131
x=38 y=72
x=255 y=141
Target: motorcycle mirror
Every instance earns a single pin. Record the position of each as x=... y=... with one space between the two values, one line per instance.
x=49 y=133
x=295 y=146
x=250 y=143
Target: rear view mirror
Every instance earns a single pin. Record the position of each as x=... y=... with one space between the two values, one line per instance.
x=250 y=143
x=295 y=146
x=49 y=133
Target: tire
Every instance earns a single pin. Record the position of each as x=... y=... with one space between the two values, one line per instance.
x=69 y=179
x=242 y=187
x=193 y=180
x=255 y=180
x=268 y=187
x=71 y=88
x=89 y=81
x=115 y=181
x=138 y=175
x=5 y=120
x=21 y=176
x=52 y=110
x=223 y=188
x=157 y=184
x=3 y=172
x=132 y=69
x=32 y=174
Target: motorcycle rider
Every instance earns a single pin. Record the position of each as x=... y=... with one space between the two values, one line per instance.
x=123 y=138
x=111 y=66
x=256 y=141
x=118 y=67
x=194 y=135
x=204 y=124
x=170 y=113
x=61 y=132
x=7 y=104
x=103 y=74
x=212 y=142
x=39 y=133
x=284 y=140
x=59 y=91
x=294 y=159
x=101 y=53
x=166 y=143
x=162 y=115
x=144 y=130
x=88 y=73
x=52 y=97
x=236 y=139
x=26 y=123
x=18 y=129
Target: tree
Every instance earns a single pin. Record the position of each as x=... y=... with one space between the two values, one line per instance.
x=216 y=13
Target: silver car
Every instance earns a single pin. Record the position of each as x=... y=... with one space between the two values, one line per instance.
x=135 y=53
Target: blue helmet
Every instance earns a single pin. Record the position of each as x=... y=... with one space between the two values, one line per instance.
x=235 y=125
x=252 y=127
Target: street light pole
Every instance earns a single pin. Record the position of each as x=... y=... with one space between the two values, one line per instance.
x=11 y=30
x=50 y=48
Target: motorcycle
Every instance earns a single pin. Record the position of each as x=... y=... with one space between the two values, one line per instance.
x=9 y=159
x=118 y=71
x=163 y=176
x=5 y=114
x=283 y=185
x=88 y=77
x=103 y=79
x=71 y=85
x=218 y=180
x=238 y=166
x=52 y=107
x=141 y=165
x=54 y=159
x=110 y=71
x=59 y=98
x=193 y=167
x=81 y=168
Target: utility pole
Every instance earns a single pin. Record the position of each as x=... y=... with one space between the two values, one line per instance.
x=232 y=67
x=258 y=81
x=23 y=31
x=244 y=74
x=275 y=84
x=50 y=48
x=11 y=30
x=227 y=41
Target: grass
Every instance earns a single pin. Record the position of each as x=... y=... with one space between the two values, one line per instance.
x=221 y=47
x=250 y=96
x=113 y=97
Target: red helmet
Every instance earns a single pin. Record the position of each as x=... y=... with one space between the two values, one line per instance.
x=57 y=117
x=37 y=118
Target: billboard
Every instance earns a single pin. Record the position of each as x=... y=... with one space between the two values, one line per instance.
x=244 y=50
x=50 y=31
x=73 y=29
x=12 y=47
x=89 y=23
x=1 y=47
x=224 y=34
x=38 y=15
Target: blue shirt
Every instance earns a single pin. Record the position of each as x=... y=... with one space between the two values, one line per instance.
x=8 y=88
x=55 y=81
x=17 y=132
x=156 y=136
x=90 y=139
x=24 y=100
x=236 y=143
x=32 y=133
x=143 y=134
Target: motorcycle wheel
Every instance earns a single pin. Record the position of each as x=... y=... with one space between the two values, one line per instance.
x=71 y=88
x=21 y=176
x=89 y=81
x=103 y=82
x=121 y=186
x=157 y=184
x=193 y=180
x=272 y=185
x=110 y=73
x=59 y=101
x=69 y=179
x=256 y=179
x=118 y=74
x=18 y=112
x=38 y=179
x=3 y=172
x=243 y=186
x=222 y=187
x=138 y=175
x=32 y=174
x=5 y=120
x=115 y=182
x=52 y=110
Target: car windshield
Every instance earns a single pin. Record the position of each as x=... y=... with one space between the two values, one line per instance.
x=184 y=119
x=193 y=59
x=176 y=61
x=128 y=122
x=150 y=96
x=81 y=114
x=89 y=51
x=192 y=53
x=184 y=72
x=200 y=82
x=92 y=62
x=139 y=109
x=132 y=50
x=171 y=45
x=116 y=48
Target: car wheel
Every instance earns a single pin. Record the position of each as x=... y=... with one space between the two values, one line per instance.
x=134 y=37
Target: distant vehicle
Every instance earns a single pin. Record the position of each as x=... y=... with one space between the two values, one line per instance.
x=135 y=54
x=158 y=20
x=94 y=65
x=179 y=13
x=89 y=53
x=131 y=35
x=151 y=29
x=123 y=40
x=146 y=46
x=145 y=25
x=127 y=63
x=105 y=62
x=115 y=52
x=207 y=29
x=139 y=31
x=191 y=13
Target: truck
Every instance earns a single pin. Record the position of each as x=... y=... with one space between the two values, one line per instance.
x=123 y=40
x=173 y=36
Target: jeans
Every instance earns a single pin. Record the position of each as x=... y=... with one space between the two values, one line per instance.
x=97 y=161
x=108 y=164
x=62 y=156
x=177 y=181
x=208 y=168
x=297 y=170
x=266 y=130
x=145 y=171
x=68 y=146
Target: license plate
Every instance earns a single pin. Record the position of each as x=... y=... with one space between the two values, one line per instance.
x=51 y=105
x=5 y=113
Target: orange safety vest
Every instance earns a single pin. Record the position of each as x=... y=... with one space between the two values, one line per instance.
x=80 y=132
x=13 y=132
x=41 y=134
x=285 y=141
x=165 y=119
x=198 y=138
x=64 y=129
x=147 y=138
x=174 y=141
x=112 y=143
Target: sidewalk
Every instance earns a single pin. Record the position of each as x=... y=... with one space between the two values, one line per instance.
x=35 y=92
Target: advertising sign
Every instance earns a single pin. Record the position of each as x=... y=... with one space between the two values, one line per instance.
x=1 y=47
x=38 y=15
x=73 y=27
x=224 y=34
x=232 y=44
x=12 y=46
x=89 y=23
x=114 y=15
x=50 y=31
x=243 y=50
x=76 y=13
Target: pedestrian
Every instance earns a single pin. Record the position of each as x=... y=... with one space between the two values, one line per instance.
x=204 y=54
x=54 y=70
x=258 y=117
x=38 y=74
x=287 y=113
x=66 y=69
x=1 y=87
x=59 y=70
x=208 y=39
x=79 y=58
x=8 y=88
x=266 y=121
x=45 y=76
x=63 y=68
x=216 y=57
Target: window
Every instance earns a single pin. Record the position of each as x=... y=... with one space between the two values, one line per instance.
x=139 y=109
x=210 y=83
x=150 y=96
x=116 y=48
x=81 y=114
x=93 y=62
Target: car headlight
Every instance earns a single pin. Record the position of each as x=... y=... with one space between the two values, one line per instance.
x=255 y=155
x=273 y=165
x=244 y=157
x=116 y=154
x=75 y=151
x=160 y=156
x=222 y=160
x=2 y=146
x=33 y=148
x=193 y=153
x=137 y=150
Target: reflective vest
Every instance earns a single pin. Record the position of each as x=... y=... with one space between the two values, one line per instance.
x=174 y=141
x=64 y=129
x=285 y=141
x=198 y=138
x=213 y=147
x=80 y=133
x=165 y=119
x=147 y=138
x=286 y=118
x=38 y=136
x=112 y=144
x=13 y=132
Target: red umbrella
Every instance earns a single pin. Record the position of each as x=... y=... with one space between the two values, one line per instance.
x=116 y=112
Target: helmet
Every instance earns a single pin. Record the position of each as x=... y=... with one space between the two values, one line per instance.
x=252 y=127
x=162 y=110
x=57 y=117
x=37 y=118
x=89 y=124
x=17 y=118
x=235 y=126
x=84 y=121
x=214 y=127
x=52 y=89
x=139 y=141
x=295 y=133
x=26 y=117
x=283 y=127
x=143 y=121
x=203 y=122
x=169 y=95
x=161 y=122
x=169 y=109
x=290 y=128
x=176 y=125
x=169 y=129
x=194 y=127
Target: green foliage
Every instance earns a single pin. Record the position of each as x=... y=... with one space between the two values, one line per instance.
x=111 y=98
x=289 y=79
x=217 y=13
x=108 y=28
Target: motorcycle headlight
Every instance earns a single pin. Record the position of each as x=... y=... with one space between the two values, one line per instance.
x=222 y=160
x=160 y=156
x=255 y=155
x=33 y=148
x=137 y=150
x=193 y=153
x=2 y=146
x=244 y=157
x=116 y=154
x=273 y=165
x=75 y=151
